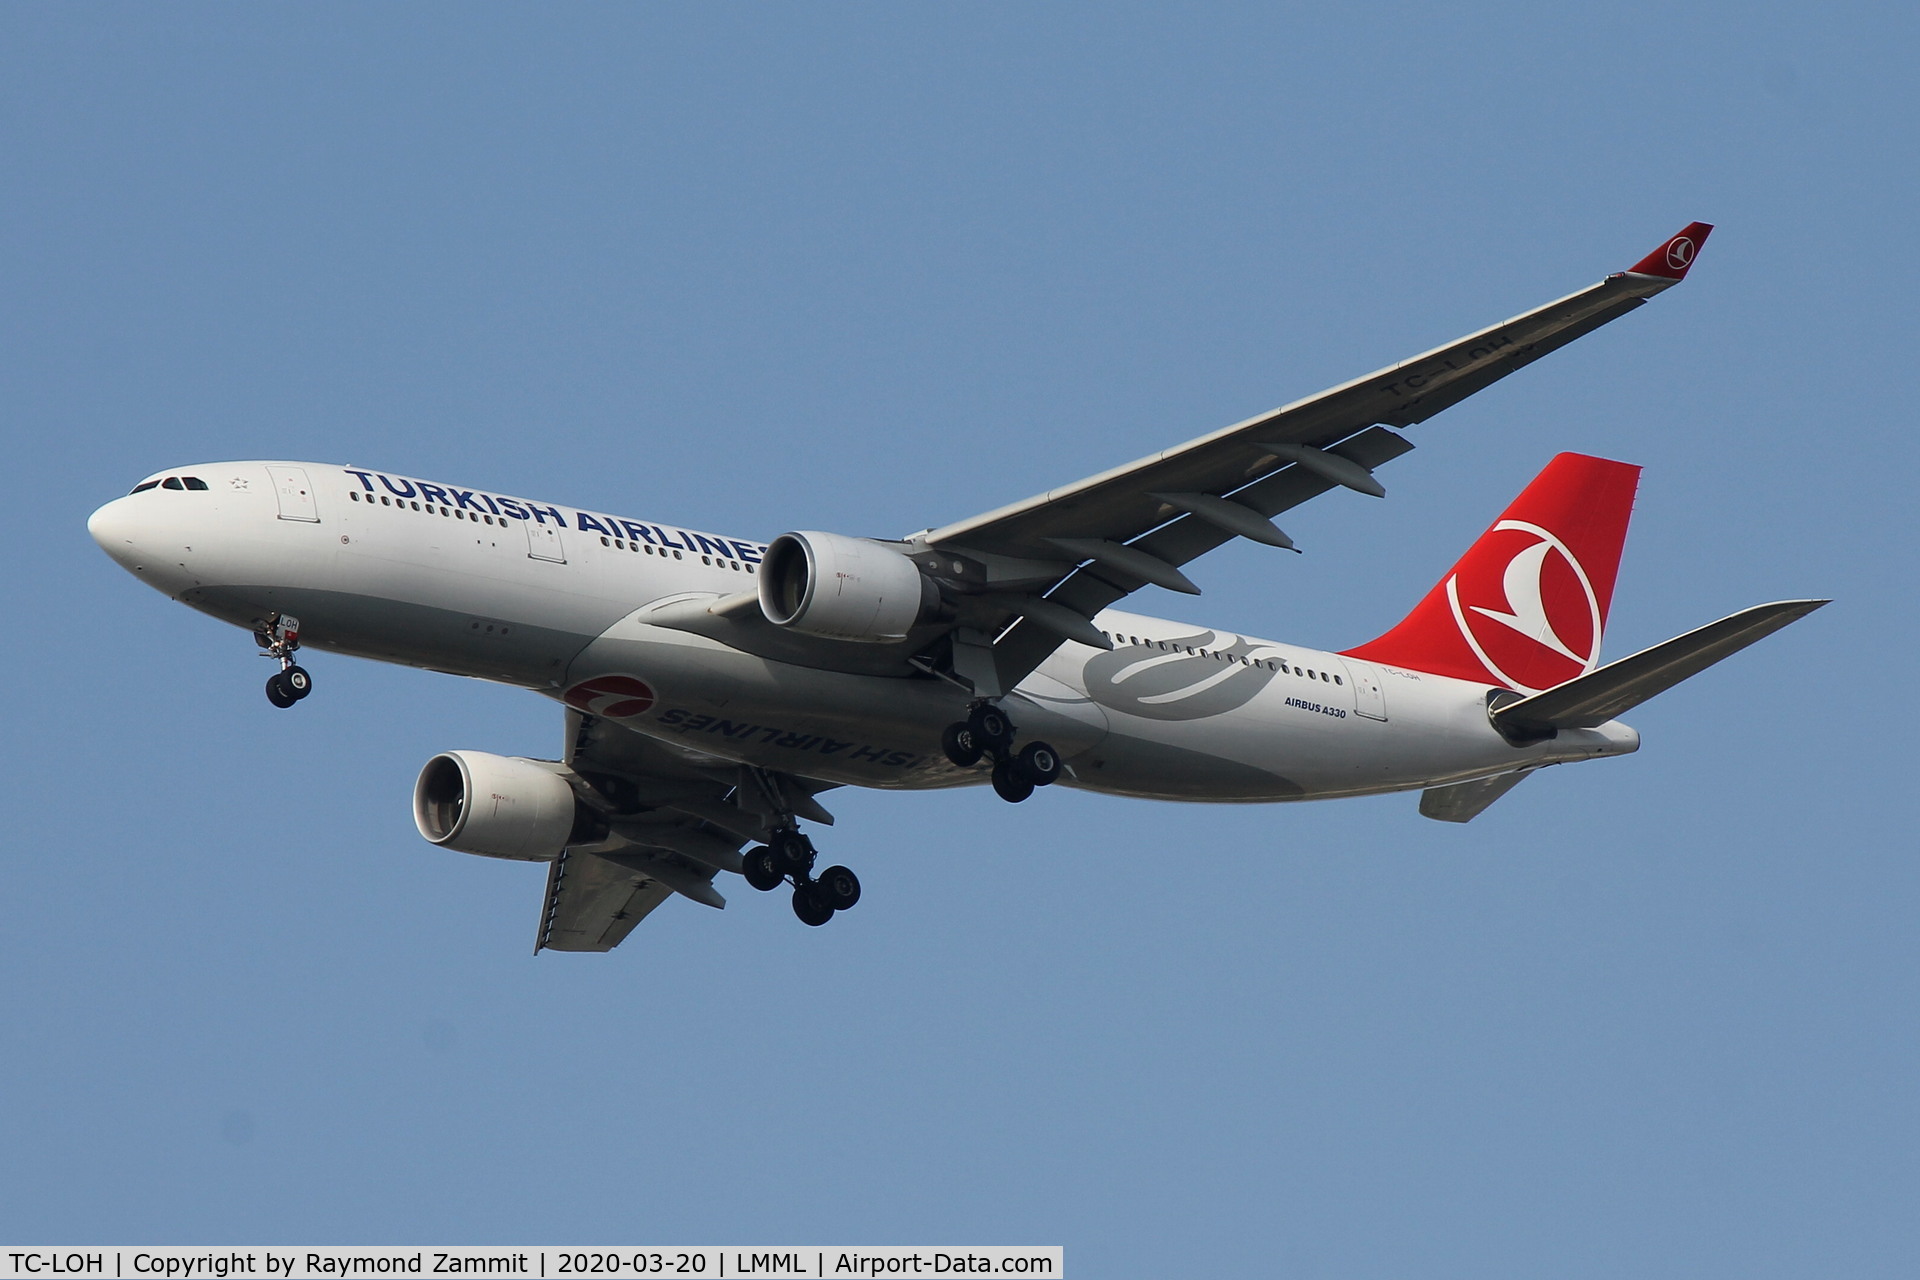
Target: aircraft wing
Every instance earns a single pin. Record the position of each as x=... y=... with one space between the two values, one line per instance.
x=592 y=904
x=676 y=818
x=1026 y=578
x=1081 y=547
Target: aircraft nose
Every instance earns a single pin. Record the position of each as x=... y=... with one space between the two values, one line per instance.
x=113 y=526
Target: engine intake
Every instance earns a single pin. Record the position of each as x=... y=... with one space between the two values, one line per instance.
x=841 y=588
x=500 y=807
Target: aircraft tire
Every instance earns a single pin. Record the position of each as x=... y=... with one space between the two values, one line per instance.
x=297 y=682
x=1009 y=783
x=991 y=727
x=962 y=745
x=810 y=905
x=277 y=692
x=792 y=853
x=761 y=868
x=1039 y=763
x=838 y=888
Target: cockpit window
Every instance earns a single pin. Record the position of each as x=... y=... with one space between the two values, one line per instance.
x=172 y=482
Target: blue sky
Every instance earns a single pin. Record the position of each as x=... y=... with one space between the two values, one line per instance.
x=871 y=269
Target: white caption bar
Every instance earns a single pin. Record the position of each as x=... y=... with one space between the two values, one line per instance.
x=573 y=1262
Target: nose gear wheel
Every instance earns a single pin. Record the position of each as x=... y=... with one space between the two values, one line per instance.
x=279 y=636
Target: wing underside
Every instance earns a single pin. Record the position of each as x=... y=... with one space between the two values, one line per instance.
x=592 y=904
x=675 y=818
x=1022 y=580
x=1138 y=524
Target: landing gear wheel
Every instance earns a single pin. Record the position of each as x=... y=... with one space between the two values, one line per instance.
x=278 y=693
x=838 y=887
x=1039 y=763
x=962 y=745
x=810 y=905
x=991 y=726
x=1012 y=785
x=761 y=868
x=297 y=682
x=792 y=854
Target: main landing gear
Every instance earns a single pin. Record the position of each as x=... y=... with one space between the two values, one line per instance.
x=988 y=732
x=788 y=857
x=279 y=636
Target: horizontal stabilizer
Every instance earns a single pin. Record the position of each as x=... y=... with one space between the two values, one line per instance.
x=1588 y=701
x=1465 y=801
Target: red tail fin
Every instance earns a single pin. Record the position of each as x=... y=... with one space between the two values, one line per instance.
x=1526 y=606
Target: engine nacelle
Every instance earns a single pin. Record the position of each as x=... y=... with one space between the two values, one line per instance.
x=499 y=807
x=841 y=588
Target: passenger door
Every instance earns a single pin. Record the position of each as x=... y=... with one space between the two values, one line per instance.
x=1369 y=699
x=543 y=541
x=291 y=486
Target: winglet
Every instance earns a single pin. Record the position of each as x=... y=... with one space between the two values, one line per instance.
x=1671 y=260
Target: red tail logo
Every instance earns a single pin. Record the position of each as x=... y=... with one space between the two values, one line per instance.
x=1526 y=606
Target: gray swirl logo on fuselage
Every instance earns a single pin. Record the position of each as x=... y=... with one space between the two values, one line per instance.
x=1174 y=684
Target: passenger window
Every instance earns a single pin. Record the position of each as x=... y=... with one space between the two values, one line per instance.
x=1338 y=680
x=384 y=502
x=195 y=482
x=172 y=482
x=142 y=488
x=605 y=543
x=354 y=495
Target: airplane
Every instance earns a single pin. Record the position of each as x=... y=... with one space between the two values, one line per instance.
x=715 y=687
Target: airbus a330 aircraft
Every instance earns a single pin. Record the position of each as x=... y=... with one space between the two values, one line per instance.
x=715 y=686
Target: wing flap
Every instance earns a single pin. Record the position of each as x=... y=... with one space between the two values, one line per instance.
x=593 y=904
x=1186 y=538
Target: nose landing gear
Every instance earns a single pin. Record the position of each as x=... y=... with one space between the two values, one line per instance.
x=788 y=857
x=988 y=732
x=278 y=637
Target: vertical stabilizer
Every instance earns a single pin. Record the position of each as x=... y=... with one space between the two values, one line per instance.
x=1526 y=606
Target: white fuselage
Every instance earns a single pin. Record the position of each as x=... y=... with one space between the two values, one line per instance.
x=549 y=598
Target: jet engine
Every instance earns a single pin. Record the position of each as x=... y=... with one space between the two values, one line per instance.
x=841 y=588
x=500 y=807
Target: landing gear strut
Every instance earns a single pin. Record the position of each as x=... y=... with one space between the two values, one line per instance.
x=788 y=857
x=279 y=636
x=988 y=732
